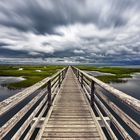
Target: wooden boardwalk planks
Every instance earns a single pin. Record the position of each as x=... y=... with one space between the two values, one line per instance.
x=71 y=117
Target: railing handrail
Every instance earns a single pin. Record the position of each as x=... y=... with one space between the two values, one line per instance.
x=101 y=102
x=10 y=102
x=49 y=88
x=127 y=99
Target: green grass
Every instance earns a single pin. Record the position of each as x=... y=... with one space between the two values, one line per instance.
x=29 y=73
x=118 y=72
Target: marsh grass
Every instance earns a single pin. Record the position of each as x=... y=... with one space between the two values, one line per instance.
x=29 y=73
x=118 y=72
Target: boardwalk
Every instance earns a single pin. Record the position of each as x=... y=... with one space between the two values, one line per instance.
x=71 y=117
x=70 y=105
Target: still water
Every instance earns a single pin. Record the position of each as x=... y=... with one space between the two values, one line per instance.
x=6 y=92
x=130 y=86
x=97 y=73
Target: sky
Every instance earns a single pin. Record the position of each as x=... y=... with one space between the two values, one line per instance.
x=70 y=31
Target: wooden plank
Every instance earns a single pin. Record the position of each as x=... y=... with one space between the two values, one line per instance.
x=85 y=129
x=71 y=126
x=70 y=122
x=108 y=128
x=39 y=134
x=71 y=138
x=71 y=134
x=122 y=131
x=101 y=121
x=70 y=119
x=99 y=129
x=36 y=122
x=129 y=121
x=16 y=118
x=71 y=112
x=66 y=117
x=28 y=121
x=75 y=121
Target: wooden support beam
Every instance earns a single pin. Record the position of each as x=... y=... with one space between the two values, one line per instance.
x=107 y=119
x=41 y=120
x=49 y=93
x=82 y=80
x=59 y=80
x=118 y=126
x=92 y=93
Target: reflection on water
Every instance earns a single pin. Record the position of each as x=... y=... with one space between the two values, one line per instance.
x=97 y=73
x=131 y=86
x=10 y=79
x=4 y=91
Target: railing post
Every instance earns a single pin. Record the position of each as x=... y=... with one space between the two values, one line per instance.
x=60 y=79
x=78 y=74
x=92 y=93
x=49 y=93
x=82 y=80
x=62 y=74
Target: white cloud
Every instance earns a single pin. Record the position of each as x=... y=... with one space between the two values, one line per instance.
x=78 y=51
x=104 y=29
x=78 y=37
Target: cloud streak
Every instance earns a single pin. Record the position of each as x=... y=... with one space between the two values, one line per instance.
x=102 y=31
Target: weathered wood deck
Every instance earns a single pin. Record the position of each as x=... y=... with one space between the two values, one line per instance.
x=71 y=117
x=63 y=108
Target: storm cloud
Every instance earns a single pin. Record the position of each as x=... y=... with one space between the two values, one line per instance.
x=86 y=31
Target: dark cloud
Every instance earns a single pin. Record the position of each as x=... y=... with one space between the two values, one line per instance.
x=74 y=30
x=37 y=15
x=3 y=44
x=42 y=17
x=10 y=53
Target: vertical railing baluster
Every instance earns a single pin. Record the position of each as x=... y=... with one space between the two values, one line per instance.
x=82 y=80
x=78 y=75
x=49 y=93
x=59 y=80
x=92 y=93
x=63 y=75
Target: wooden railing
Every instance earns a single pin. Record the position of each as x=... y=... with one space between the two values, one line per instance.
x=44 y=93
x=105 y=108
